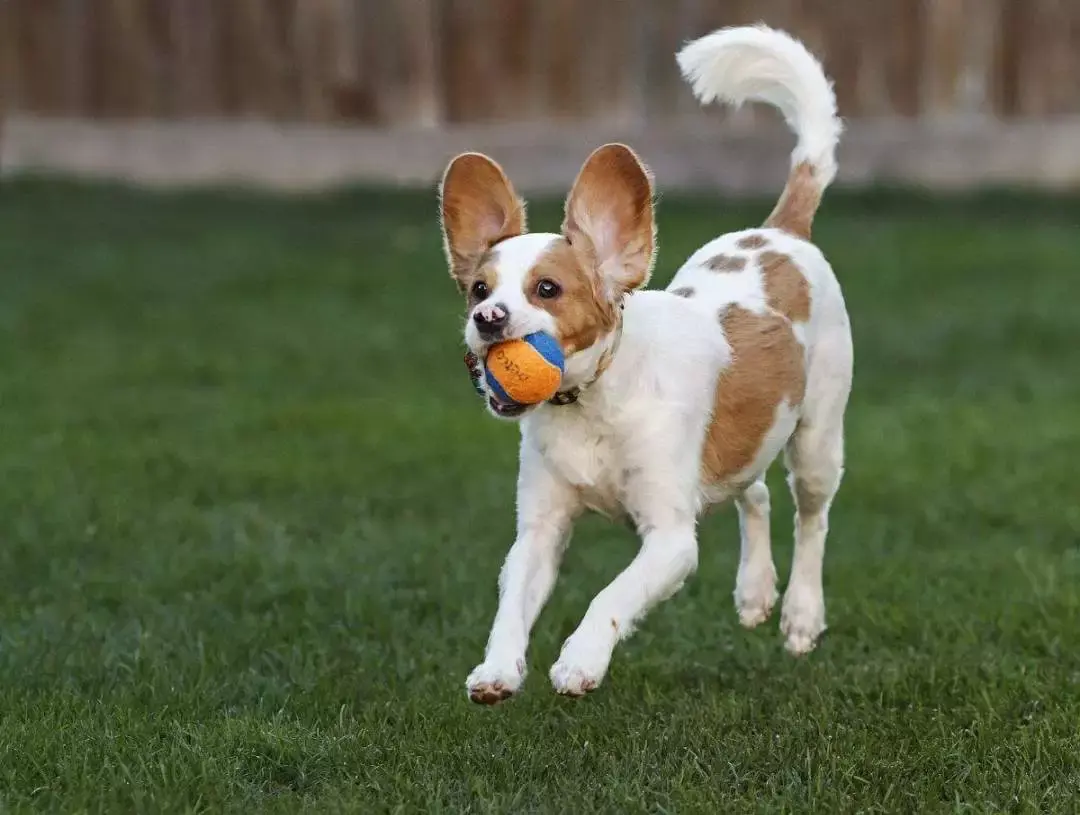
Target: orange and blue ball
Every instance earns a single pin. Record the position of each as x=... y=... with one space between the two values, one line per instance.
x=525 y=371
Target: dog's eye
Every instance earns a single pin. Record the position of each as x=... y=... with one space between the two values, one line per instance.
x=548 y=289
x=479 y=290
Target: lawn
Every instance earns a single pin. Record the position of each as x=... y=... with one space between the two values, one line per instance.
x=253 y=516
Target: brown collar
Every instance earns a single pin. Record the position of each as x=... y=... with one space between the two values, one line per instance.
x=568 y=397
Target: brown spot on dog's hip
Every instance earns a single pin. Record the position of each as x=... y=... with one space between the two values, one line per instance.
x=786 y=288
x=768 y=367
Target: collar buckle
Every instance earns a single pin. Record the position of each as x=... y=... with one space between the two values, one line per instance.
x=565 y=397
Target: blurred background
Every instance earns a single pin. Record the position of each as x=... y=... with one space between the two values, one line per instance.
x=942 y=93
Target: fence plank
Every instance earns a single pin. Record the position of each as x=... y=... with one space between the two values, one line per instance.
x=35 y=23
x=195 y=31
x=9 y=63
x=422 y=95
x=471 y=59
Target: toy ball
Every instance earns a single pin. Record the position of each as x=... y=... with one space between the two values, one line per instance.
x=526 y=371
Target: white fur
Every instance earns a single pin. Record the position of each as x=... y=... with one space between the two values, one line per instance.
x=512 y=260
x=756 y=63
x=633 y=443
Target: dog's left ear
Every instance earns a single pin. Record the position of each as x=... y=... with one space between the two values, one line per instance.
x=609 y=217
x=479 y=209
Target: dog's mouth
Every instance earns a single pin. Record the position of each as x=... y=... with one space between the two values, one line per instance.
x=512 y=411
x=502 y=410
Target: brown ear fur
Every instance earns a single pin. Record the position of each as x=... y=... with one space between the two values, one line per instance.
x=479 y=209
x=609 y=217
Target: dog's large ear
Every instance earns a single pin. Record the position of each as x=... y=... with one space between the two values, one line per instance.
x=609 y=217
x=479 y=209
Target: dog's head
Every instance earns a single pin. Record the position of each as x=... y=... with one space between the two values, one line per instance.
x=569 y=285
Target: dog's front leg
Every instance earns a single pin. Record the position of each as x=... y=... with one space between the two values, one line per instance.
x=668 y=555
x=546 y=508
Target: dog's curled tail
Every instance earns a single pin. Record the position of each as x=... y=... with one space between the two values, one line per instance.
x=761 y=64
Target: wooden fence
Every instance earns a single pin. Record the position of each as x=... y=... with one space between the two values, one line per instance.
x=309 y=93
x=434 y=62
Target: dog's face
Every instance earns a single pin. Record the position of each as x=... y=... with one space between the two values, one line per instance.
x=569 y=285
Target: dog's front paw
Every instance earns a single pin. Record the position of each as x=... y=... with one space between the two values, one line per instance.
x=573 y=680
x=492 y=682
x=755 y=596
x=802 y=621
x=580 y=669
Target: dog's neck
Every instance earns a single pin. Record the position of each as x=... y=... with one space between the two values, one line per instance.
x=584 y=368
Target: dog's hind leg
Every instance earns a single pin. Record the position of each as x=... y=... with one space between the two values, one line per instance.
x=815 y=462
x=755 y=585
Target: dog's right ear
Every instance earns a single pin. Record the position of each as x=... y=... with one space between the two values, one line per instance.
x=479 y=209
x=609 y=217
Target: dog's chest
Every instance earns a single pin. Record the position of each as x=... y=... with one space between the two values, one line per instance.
x=586 y=455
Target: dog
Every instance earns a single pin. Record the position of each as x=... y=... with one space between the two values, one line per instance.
x=672 y=401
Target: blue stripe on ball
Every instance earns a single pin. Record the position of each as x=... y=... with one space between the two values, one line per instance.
x=497 y=389
x=548 y=347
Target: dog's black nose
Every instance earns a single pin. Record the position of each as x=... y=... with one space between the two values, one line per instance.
x=491 y=319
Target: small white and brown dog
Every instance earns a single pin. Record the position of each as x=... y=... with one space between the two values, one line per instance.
x=673 y=400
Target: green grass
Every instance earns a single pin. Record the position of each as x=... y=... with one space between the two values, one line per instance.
x=253 y=515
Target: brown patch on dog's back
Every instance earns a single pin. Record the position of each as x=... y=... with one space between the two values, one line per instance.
x=726 y=263
x=683 y=291
x=794 y=212
x=768 y=366
x=752 y=241
x=785 y=286
x=582 y=315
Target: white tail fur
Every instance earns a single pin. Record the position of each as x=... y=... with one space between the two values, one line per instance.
x=762 y=64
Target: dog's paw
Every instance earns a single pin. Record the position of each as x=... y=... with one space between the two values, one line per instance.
x=494 y=682
x=755 y=597
x=573 y=680
x=802 y=621
x=581 y=667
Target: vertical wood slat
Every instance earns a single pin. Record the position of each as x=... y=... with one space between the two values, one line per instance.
x=566 y=40
x=39 y=74
x=72 y=55
x=1048 y=60
x=350 y=98
x=519 y=57
x=470 y=60
x=260 y=60
x=402 y=69
x=956 y=73
x=313 y=43
x=195 y=31
x=124 y=58
x=8 y=67
x=416 y=21
x=9 y=63
x=423 y=62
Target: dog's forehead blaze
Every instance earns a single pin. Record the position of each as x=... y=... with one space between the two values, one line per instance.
x=581 y=313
